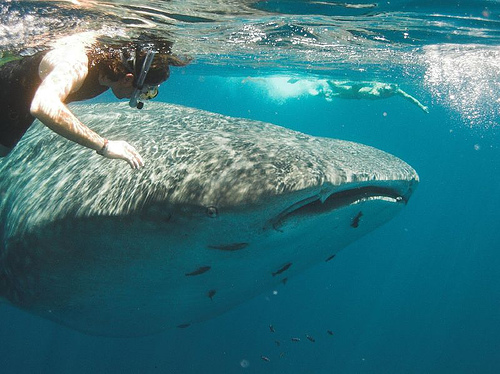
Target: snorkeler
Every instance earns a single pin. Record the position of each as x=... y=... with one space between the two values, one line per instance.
x=368 y=90
x=330 y=89
x=80 y=68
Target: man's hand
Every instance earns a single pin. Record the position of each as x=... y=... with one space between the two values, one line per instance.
x=119 y=149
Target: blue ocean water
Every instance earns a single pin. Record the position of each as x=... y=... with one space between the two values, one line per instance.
x=418 y=295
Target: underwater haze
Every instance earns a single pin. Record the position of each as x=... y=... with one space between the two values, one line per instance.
x=419 y=294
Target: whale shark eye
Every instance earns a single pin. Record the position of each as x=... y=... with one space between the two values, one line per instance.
x=212 y=212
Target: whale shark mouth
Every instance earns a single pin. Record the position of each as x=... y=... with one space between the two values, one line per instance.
x=315 y=205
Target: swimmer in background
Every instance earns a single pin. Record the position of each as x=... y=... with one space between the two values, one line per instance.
x=361 y=90
x=79 y=68
x=371 y=91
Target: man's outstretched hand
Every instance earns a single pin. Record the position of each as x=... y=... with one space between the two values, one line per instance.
x=119 y=149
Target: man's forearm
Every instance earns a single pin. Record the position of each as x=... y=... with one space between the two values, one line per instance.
x=57 y=116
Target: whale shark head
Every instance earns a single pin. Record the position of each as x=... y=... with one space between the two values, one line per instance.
x=224 y=209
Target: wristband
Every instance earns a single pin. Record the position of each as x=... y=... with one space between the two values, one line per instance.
x=104 y=147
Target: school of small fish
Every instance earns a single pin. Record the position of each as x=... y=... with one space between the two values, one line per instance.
x=294 y=339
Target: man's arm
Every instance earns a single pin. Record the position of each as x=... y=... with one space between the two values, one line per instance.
x=413 y=100
x=49 y=108
x=60 y=78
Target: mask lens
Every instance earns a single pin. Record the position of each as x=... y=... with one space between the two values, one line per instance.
x=148 y=93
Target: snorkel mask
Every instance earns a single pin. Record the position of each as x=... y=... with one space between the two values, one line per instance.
x=144 y=92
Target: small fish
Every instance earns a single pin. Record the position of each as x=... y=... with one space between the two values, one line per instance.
x=310 y=338
x=211 y=294
x=330 y=332
x=277 y=342
x=198 y=271
x=284 y=268
x=330 y=258
x=229 y=247
x=282 y=354
x=355 y=220
x=295 y=339
x=265 y=358
x=271 y=328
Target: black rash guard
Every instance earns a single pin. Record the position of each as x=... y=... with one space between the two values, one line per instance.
x=19 y=81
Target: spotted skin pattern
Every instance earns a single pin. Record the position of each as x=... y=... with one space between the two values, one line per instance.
x=222 y=207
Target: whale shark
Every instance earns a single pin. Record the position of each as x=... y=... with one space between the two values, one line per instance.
x=224 y=209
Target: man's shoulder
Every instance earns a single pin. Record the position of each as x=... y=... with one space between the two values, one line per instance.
x=79 y=40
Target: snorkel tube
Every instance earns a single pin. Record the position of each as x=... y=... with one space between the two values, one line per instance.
x=134 y=99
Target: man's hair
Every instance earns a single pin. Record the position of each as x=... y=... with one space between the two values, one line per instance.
x=115 y=61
